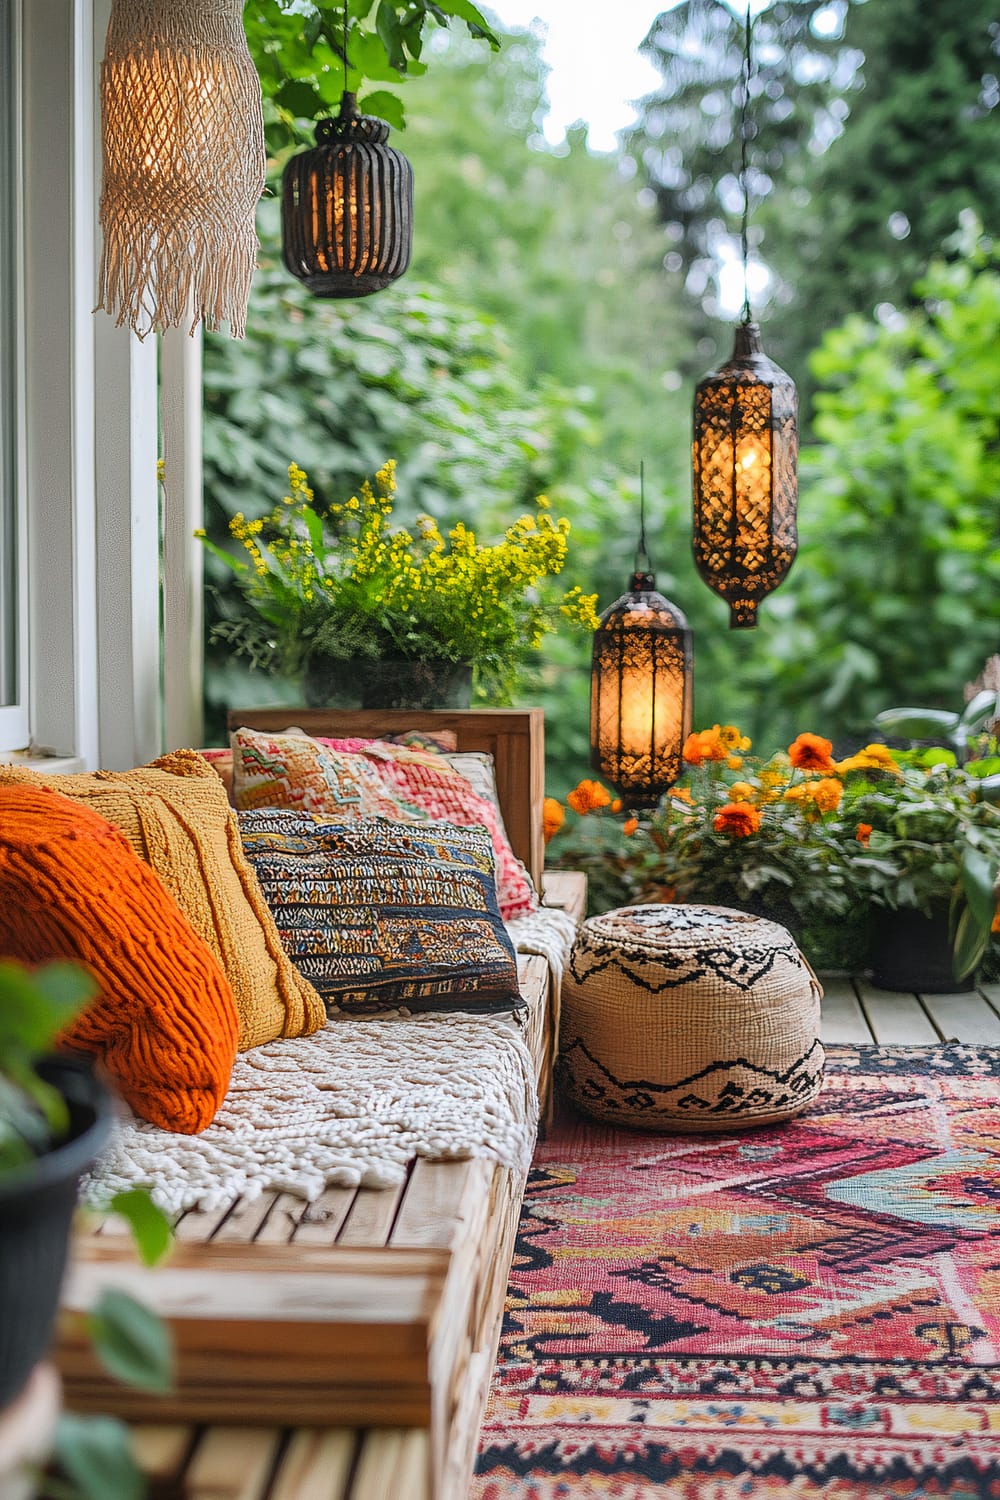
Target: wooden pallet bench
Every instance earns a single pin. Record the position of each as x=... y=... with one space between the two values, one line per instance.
x=340 y=1349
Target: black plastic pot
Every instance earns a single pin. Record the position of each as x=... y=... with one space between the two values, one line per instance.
x=911 y=951
x=36 y=1213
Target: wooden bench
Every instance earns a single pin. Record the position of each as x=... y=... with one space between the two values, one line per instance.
x=341 y=1348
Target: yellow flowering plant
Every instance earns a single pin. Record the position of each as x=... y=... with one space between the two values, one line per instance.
x=350 y=583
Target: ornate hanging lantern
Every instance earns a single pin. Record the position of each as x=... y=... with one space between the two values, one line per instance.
x=744 y=455
x=640 y=689
x=745 y=444
x=182 y=136
x=347 y=205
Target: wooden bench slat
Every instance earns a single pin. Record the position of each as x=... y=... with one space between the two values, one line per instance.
x=321 y=1220
x=232 y=1463
x=316 y=1465
x=372 y=1215
x=393 y=1464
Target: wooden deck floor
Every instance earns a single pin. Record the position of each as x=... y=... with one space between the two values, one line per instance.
x=855 y=1011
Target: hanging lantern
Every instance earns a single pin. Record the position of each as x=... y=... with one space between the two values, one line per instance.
x=745 y=450
x=640 y=686
x=347 y=207
x=745 y=446
x=182 y=135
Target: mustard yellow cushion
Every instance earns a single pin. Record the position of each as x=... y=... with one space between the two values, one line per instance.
x=175 y=815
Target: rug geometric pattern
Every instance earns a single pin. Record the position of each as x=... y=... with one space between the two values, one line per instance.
x=806 y=1309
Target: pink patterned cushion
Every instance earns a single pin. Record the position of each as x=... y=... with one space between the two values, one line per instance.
x=427 y=780
x=355 y=779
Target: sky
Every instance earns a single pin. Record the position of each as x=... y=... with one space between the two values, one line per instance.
x=591 y=49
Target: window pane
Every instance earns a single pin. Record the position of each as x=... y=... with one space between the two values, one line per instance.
x=8 y=494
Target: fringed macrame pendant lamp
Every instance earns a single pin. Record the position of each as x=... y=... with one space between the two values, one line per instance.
x=347 y=205
x=182 y=135
x=640 y=688
x=744 y=457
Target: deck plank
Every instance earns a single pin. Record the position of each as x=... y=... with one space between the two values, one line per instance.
x=316 y=1465
x=393 y=1464
x=842 y=1018
x=897 y=1019
x=964 y=1017
x=232 y=1463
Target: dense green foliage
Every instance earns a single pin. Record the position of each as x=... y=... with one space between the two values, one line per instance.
x=872 y=126
x=542 y=342
x=895 y=597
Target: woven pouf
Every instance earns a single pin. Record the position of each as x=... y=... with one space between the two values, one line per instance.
x=688 y=1018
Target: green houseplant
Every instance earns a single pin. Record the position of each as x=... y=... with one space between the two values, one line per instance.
x=54 y=1119
x=348 y=595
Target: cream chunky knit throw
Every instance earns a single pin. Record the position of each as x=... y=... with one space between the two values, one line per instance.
x=351 y=1104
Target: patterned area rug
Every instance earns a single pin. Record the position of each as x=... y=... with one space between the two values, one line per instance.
x=808 y=1309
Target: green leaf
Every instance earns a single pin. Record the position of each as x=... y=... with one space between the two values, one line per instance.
x=970 y=945
x=96 y=1453
x=979 y=711
x=979 y=878
x=988 y=789
x=473 y=18
x=387 y=26
x=916 y=723
x=300 y=99
x=151 y=1229
x=131 y=1342
x=387 y=106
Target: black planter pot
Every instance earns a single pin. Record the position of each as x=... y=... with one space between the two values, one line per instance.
x=911 y=951
x=36 y=1212
x=398 y=682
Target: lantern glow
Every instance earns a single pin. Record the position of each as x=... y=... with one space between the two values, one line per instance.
x=640 y=692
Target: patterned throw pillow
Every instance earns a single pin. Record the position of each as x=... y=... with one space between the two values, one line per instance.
x=164 y=1021
x=379 y=915
x=175 y=815
x=360 y=779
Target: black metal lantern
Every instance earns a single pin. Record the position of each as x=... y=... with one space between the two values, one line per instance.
x=347 y=207
x=640 y=688
x=745 y=488
x=745 y=452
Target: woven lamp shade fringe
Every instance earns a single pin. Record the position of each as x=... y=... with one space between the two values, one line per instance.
x=183 y=165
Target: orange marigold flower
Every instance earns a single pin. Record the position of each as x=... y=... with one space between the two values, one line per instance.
x=616 y=805
x=810 y=752
x=995 y=925
x=871 y=758
x=588 y=796
x=682 y=794
x=629 y=826
x=732 y=738
x=553 y=817
x=737 y=818
x=864 y=833
x=826 y=793
x=705 y=744
x=740 y=791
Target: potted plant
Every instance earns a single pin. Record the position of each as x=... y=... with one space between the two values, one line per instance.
x=55 y=1116
x=382 y=617
x=816 y=843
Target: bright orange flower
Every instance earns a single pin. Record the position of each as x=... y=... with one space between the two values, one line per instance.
x=740 y=791
x=826 y=793
x=995 y=927
x=734 y=762
x=732 y=738
x=682 y=794
x=616 y=805
x=810 y=752
x=705 y=744
x=588 y=796
x=871 y=758
x=629 y=826
x=737 y=818
x=553 y=817
x=864 y=833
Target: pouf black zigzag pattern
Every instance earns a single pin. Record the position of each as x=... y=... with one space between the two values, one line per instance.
x=688 y=1018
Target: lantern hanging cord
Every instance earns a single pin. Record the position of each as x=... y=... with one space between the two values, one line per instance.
x=745 y=129
x=643 y=561
x=346 y=25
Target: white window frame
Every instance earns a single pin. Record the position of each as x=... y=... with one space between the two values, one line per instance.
x=97 y=659
x=14 y=716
